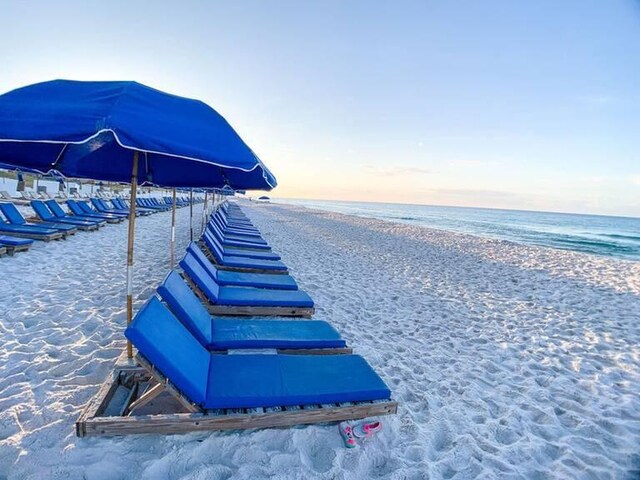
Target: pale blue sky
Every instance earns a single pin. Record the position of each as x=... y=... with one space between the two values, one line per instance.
x=510 y=104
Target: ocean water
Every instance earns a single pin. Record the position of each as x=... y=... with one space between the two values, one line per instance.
x=597 y=234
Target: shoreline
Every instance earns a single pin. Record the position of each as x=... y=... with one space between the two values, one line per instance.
x=526 y=252
x=620 y=242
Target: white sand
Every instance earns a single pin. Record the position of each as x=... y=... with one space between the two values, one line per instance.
x=507 y=361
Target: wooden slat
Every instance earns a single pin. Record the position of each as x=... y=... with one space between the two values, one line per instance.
x=97 y=403
x=185 y=422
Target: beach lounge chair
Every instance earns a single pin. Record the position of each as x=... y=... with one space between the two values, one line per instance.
x=220 y=392
x=233 y=216
x=144 y=203
x=119 y=204
x=237 y=242
x=155 y=202
x=250 y=301
x=31 y=232
x=232 y=334
x=253 y=240
x=102 y=207
x=43 y=212
x=234 y=222
x=15 y=218
x=234 y=230
x=230 y=262
x=79 y=212
x=278 y=281
x=86 y=209
x=14 y=244
x=58 y=212
x=243 y=252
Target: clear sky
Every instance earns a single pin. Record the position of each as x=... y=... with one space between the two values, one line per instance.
x=508 y=104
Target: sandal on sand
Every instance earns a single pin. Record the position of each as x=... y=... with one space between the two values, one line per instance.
x=367 y=429
x=347 y=435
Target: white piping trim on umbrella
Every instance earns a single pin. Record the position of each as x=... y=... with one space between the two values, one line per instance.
x=129 y=147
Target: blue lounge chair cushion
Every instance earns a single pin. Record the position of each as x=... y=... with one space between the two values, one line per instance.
x=239 y=252
x=240 y=262
x=27 y=229
x=202 y=279
x=168 y=345
x=16 y=218
x=45 y=214
x=231 y=334
x=248 y=381
x=239 y=243
x=187 y=307
x=13 y=215
x=242 y=279
x=59 y=213
x=260 y=297
x=255 y=264
x=236 y=238
x=14 y=242
x=41 y=210
x=219 y=334
x=242 y=296
x=256 y=280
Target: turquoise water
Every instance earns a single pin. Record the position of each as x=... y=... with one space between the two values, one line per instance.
x=598 y=234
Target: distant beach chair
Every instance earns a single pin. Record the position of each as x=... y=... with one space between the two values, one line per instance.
x=14 y=244
x=244 y=300
x=220 y=392
x=237 y=242
x=57 y=211
x=43 y=212
x=31 y=232
x=230 y=262
x=144 y=203
x=278 y=281
x=85 y=209
x=80 y=212
x=245 y=230
x=243 y=252
x=118 y=203
x=15 y=218
x=236 y=237
x=309 y=336
x=102 y=207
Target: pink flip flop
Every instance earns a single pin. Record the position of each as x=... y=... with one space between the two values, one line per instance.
x=367 y=429
x=347 y=435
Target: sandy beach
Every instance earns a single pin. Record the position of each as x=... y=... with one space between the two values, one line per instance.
x=507 y=361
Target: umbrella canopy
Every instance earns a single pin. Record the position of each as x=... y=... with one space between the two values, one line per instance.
x=90 y=130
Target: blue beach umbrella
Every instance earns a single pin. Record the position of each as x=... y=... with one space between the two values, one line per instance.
x=125 y=132
x=92 y=129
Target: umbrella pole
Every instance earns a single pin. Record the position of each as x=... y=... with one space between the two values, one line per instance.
x=173 y=229
x=191 y=214
x=204 y=211
x=132 y=223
